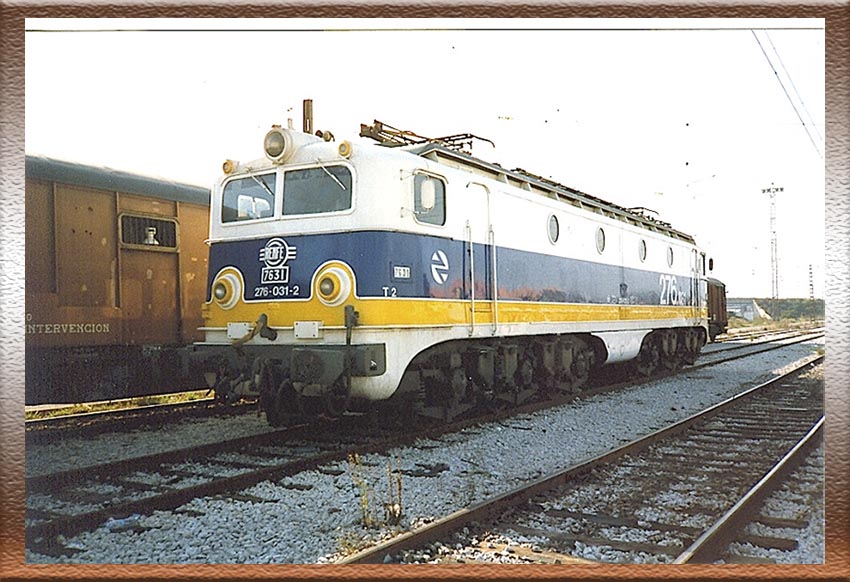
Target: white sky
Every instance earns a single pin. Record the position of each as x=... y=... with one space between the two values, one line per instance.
x=684 y=117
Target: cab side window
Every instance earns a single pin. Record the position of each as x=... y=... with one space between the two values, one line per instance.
x=429 y=199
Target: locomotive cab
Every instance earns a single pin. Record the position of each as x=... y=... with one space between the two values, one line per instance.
x=295 y=244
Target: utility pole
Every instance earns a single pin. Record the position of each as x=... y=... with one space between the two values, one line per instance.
x=811 y=293
x=774 y=257
x=811 y=284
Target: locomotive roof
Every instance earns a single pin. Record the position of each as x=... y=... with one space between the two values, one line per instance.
x=42 y=168
x=545 y=187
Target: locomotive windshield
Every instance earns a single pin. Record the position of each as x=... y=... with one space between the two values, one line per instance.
x=305 y=191
x=316 y=190
x=248 y=198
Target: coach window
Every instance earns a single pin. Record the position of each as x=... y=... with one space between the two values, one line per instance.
x=642 y=250
x=248 y=198
x=316 y=190
x=429 y=199
x=554 y=229
x=149 y=233
x=600 y=240
x=670 y=256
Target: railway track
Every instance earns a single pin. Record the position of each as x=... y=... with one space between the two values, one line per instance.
x=735 y=343
x=709 y=356
x=749 y=334
x=88 y=424
x=789 y=512
x=91 y=497
x=83 y=499
x=678 y=495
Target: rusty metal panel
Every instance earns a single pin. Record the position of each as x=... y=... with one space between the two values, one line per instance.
x=85 y=247
x=38 y=228
x=131 y=203
x=149 y=297
x=194 y=257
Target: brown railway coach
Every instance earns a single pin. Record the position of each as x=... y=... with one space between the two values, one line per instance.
x=116 y=269
x=718 y=319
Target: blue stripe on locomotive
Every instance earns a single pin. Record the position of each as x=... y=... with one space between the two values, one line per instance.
x=411 y=266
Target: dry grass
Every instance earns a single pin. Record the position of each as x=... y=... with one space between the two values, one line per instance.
x=35 y=413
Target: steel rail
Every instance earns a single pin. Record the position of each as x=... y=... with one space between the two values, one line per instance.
x=440 y=528
x=807 y=337
x=733 y=335
x=100 y=420
x=709 y=546
x=47 y=482
x=720 y=347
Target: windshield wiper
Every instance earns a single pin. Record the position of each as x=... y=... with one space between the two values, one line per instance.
x=263 y=184
x=335 y=179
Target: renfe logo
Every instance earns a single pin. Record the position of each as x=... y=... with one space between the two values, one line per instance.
x=439 y=267
x=274 y=255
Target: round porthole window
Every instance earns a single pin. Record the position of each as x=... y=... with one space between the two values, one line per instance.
x=554 y=229
x=642 y=250
x=600 y=240
x=670 y=256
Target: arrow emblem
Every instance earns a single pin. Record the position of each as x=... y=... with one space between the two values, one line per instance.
x=439 y=267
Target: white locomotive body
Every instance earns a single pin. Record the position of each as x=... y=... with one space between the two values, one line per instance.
x=347 y=274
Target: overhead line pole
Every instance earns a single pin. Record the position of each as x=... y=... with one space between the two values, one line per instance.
x=774 y=256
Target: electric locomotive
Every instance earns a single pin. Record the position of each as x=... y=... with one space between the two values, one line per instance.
x=409 y=272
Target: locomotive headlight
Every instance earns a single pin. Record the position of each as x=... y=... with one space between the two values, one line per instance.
x=220 y=291
x=334 y=285
x=229 y=166
x=275 y=144
x=327 y=287
x=345 y=149
x=227 y=289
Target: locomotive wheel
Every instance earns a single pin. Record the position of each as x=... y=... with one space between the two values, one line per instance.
x=272 y=404
x=221 y=390
x=671 y=350
x=692 y=346
x=581 y=368
x=455 y=400
x=336 y=401
x=524 y=388
x=283 y=404
x=648 y=358
x=673 y=363
x=487 y=398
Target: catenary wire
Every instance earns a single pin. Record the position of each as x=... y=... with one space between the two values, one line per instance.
x=794 y=87
x=791 y=101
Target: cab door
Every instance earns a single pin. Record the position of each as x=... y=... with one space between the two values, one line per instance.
x=696 y=299
x=480 y=249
